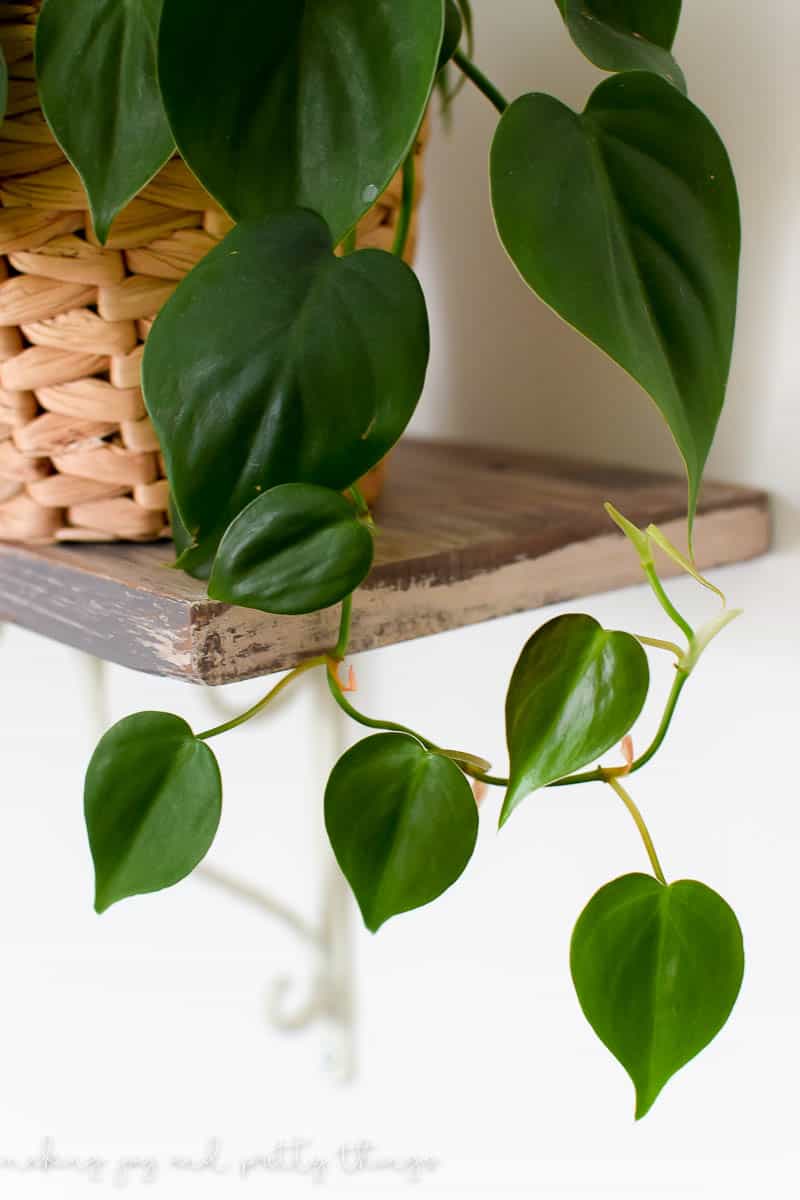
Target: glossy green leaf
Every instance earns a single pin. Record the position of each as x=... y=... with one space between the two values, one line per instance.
x=575 y=692
x=296 y=549
x=276 y=104
x=657 y=971
x=152 y=801
x=625 y=220
x=402 y=822
x=275 y=362
x=96 y=70
x=626 y=35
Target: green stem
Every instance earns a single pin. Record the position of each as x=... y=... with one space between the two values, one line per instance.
x=667 y=605
x=406 y=205
x=362 y=508
x=666 y=720
x=321 y=660
x=369 y=722
x=358 y=499
x=480 y=80
x=470 y=764
x=344 y=629
x=644 y=832
x=497 y=781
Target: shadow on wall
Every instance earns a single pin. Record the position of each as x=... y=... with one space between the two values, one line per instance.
x=505 y=370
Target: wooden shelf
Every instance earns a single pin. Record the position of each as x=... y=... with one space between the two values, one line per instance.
x=466 y=534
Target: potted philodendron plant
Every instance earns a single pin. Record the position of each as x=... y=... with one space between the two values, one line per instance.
x=280 y=372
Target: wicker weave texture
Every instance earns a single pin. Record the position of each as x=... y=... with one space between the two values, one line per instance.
x=79 y=459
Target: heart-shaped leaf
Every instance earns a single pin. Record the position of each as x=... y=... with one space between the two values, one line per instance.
x=402 y=822
x=657 y=971
x=152 y=801
x=625 y=220
x=276 y=362
x=626 y=35
x=576 y=690
x=296 y=549
x=96 y=70
x=276 y=104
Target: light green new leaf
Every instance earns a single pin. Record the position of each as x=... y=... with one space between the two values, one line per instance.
x=705 y=636
x=276 y=362
x=657 y=971
x=296 y=549
x=576 y=690
x=278 y=104
x=402 y=823
x=636 y=536
x=661 y=540
x=626 y=35
x=152 y=801
x=625 y=220
x=96 y=71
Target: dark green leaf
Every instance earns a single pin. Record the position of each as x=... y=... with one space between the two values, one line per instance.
x=96 y=68
x=625 y=220
x=576 y=690
x=277 y=104
x=657 y=971
x=626 y=35
x=152 y=801
x=402 y=822
x=444 y=81
x=275 y=362
x=195 y=558
x=296 y=549
x=453 y=32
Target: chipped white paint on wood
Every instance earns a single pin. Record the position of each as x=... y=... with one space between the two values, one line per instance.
x=465 y=535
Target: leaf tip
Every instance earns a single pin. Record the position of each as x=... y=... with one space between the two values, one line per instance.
x=102 y=222
x=637 y=537
x=645 y=1099
x=509 y=804
x=373 y=920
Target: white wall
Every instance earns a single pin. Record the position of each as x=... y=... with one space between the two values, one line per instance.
x=505 y=369
x=141 y=1033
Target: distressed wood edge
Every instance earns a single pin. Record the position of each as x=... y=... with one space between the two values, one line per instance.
x=230 y=644
x=122 y=625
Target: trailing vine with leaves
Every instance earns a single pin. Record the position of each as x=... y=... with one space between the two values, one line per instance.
x=279 y=373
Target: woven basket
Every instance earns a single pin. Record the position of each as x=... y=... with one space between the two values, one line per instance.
x=79 y=459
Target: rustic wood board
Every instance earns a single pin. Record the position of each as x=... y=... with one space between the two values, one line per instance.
x=466 y=534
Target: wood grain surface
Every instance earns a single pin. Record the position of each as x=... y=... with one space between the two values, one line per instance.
x=465 y=534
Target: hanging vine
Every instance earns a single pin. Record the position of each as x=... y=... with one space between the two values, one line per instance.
x=280 y=372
